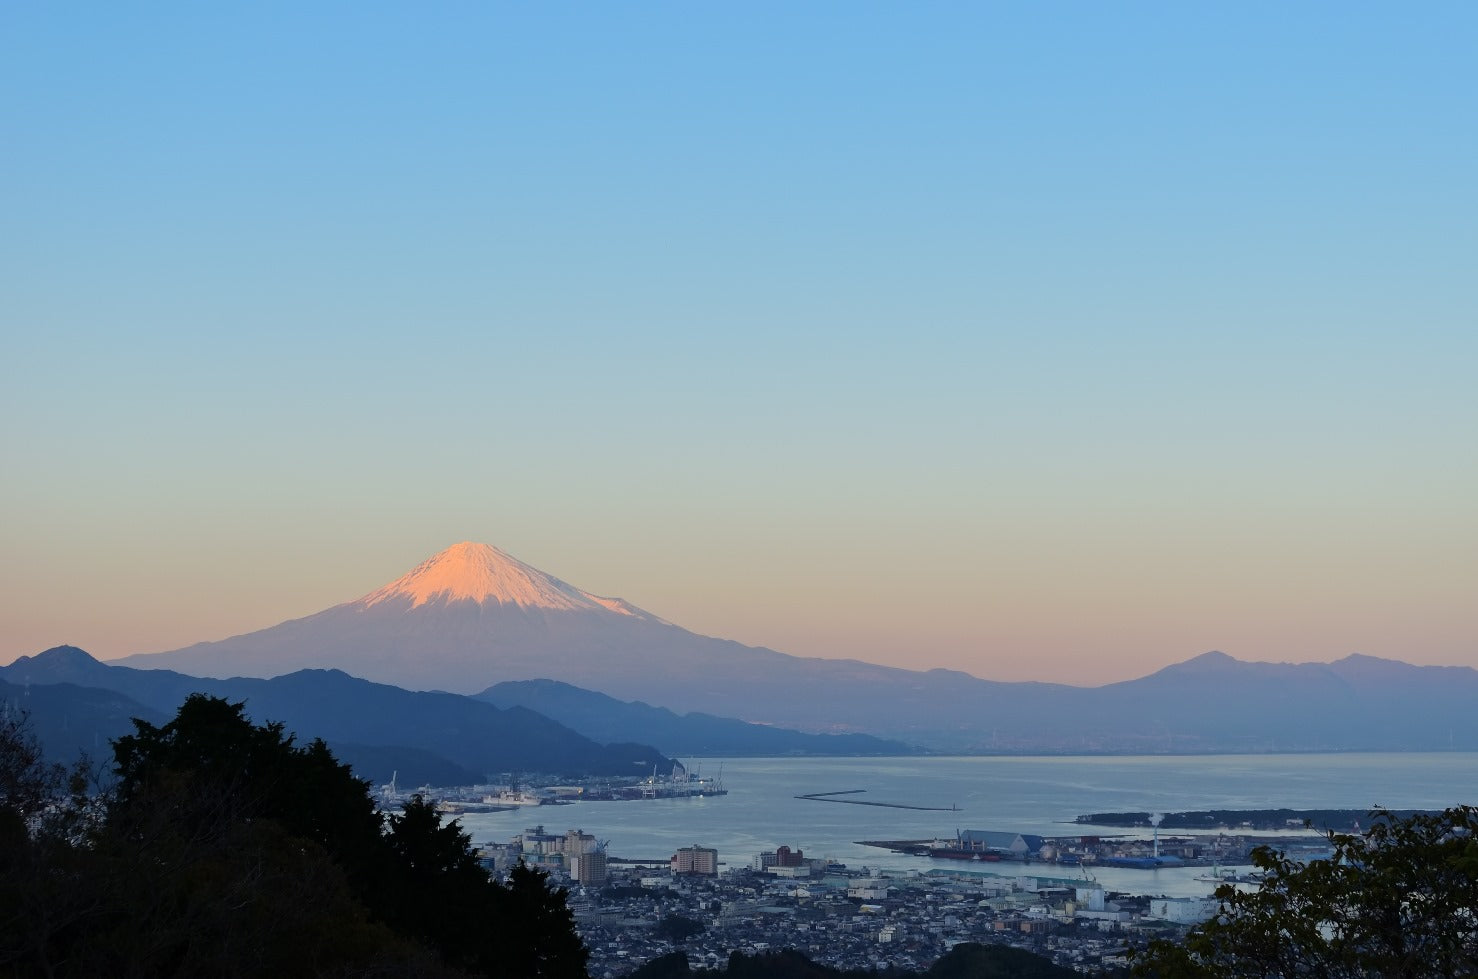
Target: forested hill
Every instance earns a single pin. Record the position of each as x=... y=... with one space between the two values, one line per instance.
x=329 y=704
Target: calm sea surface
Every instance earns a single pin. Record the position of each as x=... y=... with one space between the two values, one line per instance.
x=1031 y=795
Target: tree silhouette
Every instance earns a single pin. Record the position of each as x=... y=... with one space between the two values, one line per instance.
x=678 y=928
x=227 y=850
x=539 y=936
x=1399 y=900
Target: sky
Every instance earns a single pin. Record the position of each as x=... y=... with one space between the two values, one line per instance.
x=1057 y=341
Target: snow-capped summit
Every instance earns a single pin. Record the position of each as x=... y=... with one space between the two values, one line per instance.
x=463 y=619
x=472 y=616
x=482 y=573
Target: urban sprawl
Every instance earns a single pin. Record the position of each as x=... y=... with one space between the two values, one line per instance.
x=631 y=912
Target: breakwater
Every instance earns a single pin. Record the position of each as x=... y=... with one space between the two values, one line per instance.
x=832 y=797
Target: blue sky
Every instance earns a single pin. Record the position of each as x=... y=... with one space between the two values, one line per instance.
x=1056 y=340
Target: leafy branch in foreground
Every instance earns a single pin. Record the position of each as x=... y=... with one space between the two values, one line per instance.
x=1398 y=900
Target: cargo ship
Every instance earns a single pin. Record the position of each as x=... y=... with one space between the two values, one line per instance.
x=953 y=850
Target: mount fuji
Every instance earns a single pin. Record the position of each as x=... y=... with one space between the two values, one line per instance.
x=463 y=619
x=472 y=616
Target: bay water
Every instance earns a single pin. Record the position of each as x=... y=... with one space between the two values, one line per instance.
x=1020 y=794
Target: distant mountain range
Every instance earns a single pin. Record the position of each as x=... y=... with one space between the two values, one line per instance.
x=472 y=616
x=79 y=703
x=435 y=737
x=607 y=719
x=68 y=720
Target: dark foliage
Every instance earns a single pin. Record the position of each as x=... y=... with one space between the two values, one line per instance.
x=964 y=961
x=1399 y=900
x=227 y=850
x=27 y=780
x=972 y=961
x=538 y=928
x=669 y=966
x=786 y=964
x=678 y=928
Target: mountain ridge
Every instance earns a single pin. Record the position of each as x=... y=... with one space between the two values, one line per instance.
x=604 y=718
x=340 y=708
x=472 y=617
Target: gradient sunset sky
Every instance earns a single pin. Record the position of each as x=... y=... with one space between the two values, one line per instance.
x=1053 y=341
